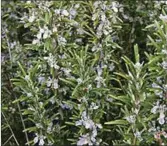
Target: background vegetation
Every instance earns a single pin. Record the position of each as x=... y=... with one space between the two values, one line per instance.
x=84 y=72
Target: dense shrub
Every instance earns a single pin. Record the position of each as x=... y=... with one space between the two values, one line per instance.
x=84 y=72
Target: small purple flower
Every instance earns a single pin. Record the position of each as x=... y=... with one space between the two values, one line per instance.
x=131 y=118
x=57 y=11
x=64 y=12
x=79 y=123
x=83 y=140
x=89 y=124
x=154 y=109
x=93 y=106
x=73 y=12
x=66 y=106
x=164 y=65
x=55 y=84
x=40 y=139
x=41 y=79
x=111 y=67
x=80 y=31
x=99 y=70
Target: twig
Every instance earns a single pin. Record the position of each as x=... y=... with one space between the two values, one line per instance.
x=8 y=140
x=10 y=129
x=21 y=117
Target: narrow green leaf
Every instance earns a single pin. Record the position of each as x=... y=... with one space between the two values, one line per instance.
x=117 y=122
x=67 y=81
x=31 y=129
x=120 y=98
x=153 y=42
x=20 y=66
x=73 y=140
x=136 y=51
x=70 y=123
x=122 y=75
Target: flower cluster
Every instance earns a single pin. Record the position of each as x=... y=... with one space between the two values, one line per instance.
x=88 y=124
x=53 y=82
x=99 y=77
x=159 y=108
x=52 y=61
x=131 y=118
x=40 y=139
x=69 y=65
x=164 y=63
x=160 y=89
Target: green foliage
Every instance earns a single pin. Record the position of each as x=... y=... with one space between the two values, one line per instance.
x=84 y=72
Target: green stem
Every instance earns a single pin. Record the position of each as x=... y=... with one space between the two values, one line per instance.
x=10 y=130
x=134 y=141
x=21 y=117
x=22 y=120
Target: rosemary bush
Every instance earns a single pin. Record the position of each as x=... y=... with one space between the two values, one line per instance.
x=84 y=73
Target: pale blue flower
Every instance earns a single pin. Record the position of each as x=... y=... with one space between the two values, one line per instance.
x=154 y=109
x=164 y=51
x=79 y=123
x=52 y=61
x=65 y=13
x=115 y=6
x=39 y=138
x=131 y=118
x=103 y=17
x=161 y=118
x=41 y=142
x=47 y=33
x=27 y=77
x=73 y=12
x=29 y=94
x=88 y=124
x=84 y=115
x=66 y=71
x=80 y=31
x=164 y=65
x=61 y=40
x=111 y=67
x=49 y=82
x=31 y=18
x=57 y=11
x=83 y=140
x=100 y=81
x=93 y=106
x=41 y=79
x=55 y=84
x=138 y=135
x=99 y=70
x=66 y=106
x=164 y=18
x=79 y=80
x=36 y=41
